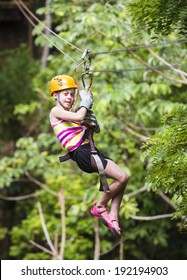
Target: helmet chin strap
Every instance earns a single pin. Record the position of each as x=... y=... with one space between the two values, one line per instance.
x=58 y=99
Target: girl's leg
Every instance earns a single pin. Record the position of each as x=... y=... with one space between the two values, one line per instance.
x=117 y=188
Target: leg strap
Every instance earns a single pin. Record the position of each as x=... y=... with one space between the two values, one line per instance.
x=98 y=165
x=95 y=162
x=64 y=157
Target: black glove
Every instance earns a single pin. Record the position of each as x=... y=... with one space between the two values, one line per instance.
x=91 y=121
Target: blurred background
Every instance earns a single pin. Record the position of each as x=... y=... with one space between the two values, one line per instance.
x=138 y=62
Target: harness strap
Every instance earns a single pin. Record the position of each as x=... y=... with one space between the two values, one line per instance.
x=64 y=157
x=97 y=164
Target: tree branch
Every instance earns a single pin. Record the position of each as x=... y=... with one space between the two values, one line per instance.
x=41 y=93
x=63 y=234
x=56 y=246
x=168 y=64
x=17 y=198
x=150 y=218
x=41 y=247
x=48 y=21
x=40 y=184
x=45 y=228
x=159 y=72
x=168 y=200
x=138 y=135
x=141 y=127
x=121 y=249
x=143 y=189
x=97 y=241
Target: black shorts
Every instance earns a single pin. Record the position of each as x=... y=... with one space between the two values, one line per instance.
x=82 y=156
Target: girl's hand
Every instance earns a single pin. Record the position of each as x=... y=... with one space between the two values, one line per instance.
x=86 y=99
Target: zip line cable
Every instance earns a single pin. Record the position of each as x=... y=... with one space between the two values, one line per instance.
x=23 y=7
x=181 y=40
x=47 y=37
x=46 y=27
x=135 y=48
x=33 y=24
x=148 y=68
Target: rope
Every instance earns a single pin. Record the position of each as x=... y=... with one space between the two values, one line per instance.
x=178 y=41
x=46 y=27
x=10 y=3
x=148 y=68
x=22 y=6
x=33 y=24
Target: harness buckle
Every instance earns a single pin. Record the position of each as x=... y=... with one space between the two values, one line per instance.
x=93 y=152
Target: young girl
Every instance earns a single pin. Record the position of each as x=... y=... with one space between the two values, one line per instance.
x=72 y=136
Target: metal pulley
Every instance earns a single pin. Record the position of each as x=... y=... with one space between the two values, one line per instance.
x=86 y=75
x=87 y=64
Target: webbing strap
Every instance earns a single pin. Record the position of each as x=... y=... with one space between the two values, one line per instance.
x=97 y=163
x=64 y=157
x=101 y=171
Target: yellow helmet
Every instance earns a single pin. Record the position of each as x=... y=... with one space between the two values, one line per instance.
x=61 y=82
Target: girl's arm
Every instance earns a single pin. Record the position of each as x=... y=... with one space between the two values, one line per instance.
x=59 y=113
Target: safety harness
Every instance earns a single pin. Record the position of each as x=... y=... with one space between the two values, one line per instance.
x=96 y=162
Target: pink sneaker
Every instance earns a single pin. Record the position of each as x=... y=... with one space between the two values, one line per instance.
x=105 y=219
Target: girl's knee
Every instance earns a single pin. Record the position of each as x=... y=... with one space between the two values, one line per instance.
x=123 y=178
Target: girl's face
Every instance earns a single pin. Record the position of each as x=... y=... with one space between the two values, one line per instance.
x=67 y=97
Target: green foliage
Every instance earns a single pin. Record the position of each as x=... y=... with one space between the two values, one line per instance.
x=163 y=16
x=167 y=152
x=129 y=207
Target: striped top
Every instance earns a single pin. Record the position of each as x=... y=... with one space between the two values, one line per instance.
x=69 y=134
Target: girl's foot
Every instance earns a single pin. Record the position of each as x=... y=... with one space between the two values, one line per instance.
x=116 y=228
x=103 y=215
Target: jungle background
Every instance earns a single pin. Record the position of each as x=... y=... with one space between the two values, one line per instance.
x=139 y=85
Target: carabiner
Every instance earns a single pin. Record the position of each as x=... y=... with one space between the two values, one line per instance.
x=90 y=80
